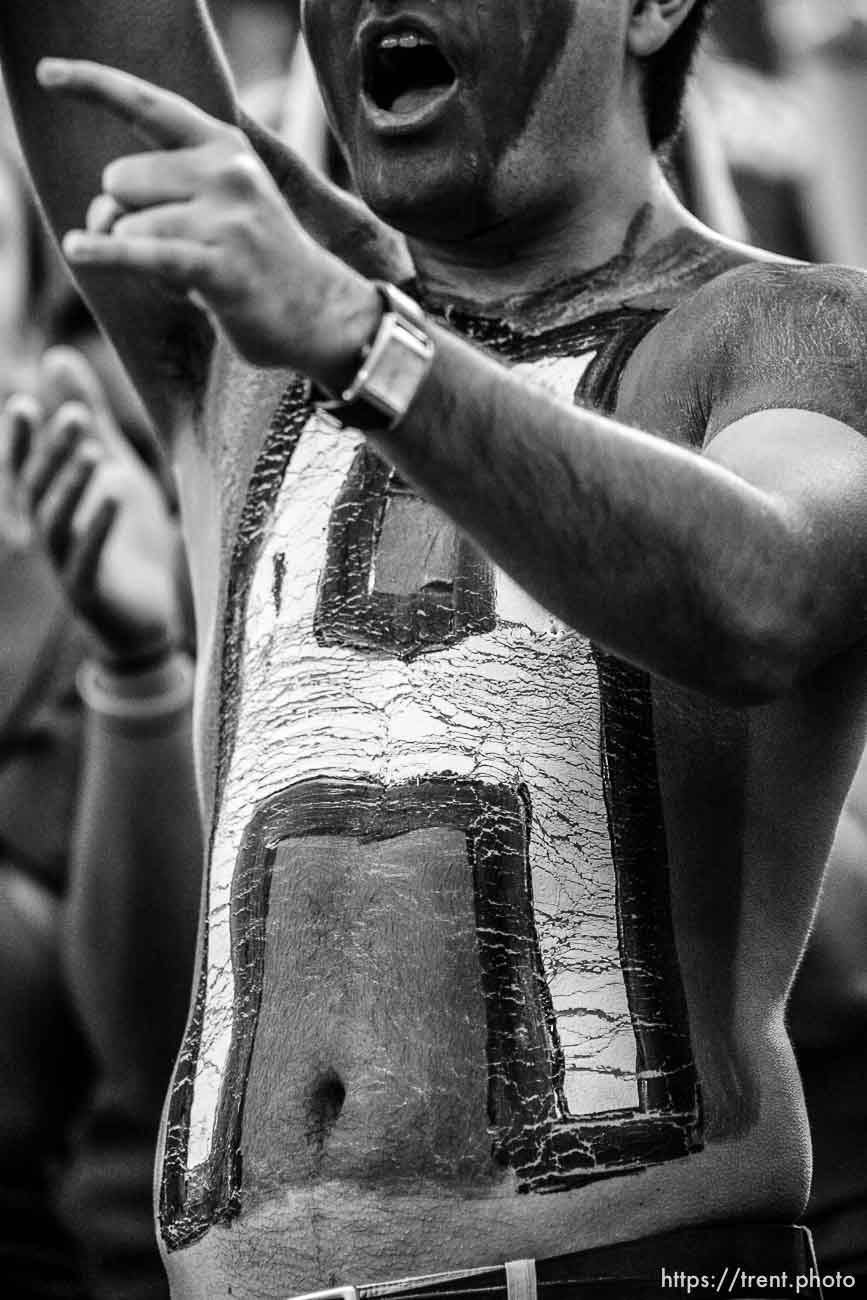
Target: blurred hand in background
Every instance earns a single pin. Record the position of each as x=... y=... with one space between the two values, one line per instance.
x=96 y=509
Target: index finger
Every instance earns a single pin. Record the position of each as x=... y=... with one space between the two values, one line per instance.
x=160 y=116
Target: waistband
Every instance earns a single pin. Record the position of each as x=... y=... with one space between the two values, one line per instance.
x=733 y=1260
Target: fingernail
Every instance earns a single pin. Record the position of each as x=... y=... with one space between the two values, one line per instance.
x=52 y=72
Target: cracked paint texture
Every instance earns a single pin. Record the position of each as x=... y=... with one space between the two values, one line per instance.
x=382 y=665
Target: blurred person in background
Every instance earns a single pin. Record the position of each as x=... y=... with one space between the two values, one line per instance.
x=828 y=1019
x=137 y=852
x=80 y=1094
x=258 y=37
x=810 y=967
x=44 y=1066
x=785 y=82
x=104 y=522
x=760 y=117
x=824 y=48
x=23 y=269
x=275 y=77
x=789 y=119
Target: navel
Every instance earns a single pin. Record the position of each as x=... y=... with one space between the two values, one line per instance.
x=324 y=1106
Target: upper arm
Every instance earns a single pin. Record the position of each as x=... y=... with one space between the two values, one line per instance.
x=764 y=372
x=786 y=402
x=67 y=144
x=812 y=471
x=785 y=397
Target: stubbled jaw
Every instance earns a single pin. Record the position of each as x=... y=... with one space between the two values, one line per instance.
x=407 y=81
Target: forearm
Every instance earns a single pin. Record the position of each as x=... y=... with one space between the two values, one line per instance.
x=659 y=555
x=67 y=144
x=134 y=896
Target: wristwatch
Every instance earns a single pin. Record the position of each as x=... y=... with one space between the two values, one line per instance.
x=393 y=367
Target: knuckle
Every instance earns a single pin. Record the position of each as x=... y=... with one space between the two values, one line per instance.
x=144 y=100
x=240 y=173
x=88 y=460
x=61 y=356
x=134 y=225
x=235 y=226
x=95 y=210
x=113 y=175
x=236 y=139
x=124 y=228
x=73 y=419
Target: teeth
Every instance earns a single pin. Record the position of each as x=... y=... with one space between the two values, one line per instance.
x=404 y=41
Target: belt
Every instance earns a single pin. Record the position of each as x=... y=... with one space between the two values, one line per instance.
x=771 y=1260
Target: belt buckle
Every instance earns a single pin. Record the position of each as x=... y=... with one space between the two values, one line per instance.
x=333 y=1293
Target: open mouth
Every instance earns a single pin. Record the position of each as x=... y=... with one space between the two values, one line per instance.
x=405 y=74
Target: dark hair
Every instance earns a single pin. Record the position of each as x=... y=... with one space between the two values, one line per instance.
x=666 y=74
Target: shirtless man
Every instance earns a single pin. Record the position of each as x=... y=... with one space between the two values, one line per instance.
x=534 y=674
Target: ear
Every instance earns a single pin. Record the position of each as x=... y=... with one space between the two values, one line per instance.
x=653 y=23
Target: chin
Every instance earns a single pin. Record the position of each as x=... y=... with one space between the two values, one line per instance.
x=425 y=198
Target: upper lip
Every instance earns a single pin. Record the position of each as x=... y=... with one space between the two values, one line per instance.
x=372 y=31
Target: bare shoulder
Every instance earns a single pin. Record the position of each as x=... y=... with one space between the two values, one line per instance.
x=763 y=335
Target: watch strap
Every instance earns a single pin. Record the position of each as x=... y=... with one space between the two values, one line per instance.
x=392 y=370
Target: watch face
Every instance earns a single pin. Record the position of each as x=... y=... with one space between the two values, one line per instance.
x=398 y=576
x=394 y=367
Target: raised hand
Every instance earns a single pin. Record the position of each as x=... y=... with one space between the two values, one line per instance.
x=201 y=212
x=98 y=512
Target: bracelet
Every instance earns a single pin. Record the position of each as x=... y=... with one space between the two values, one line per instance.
x=138 y=700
